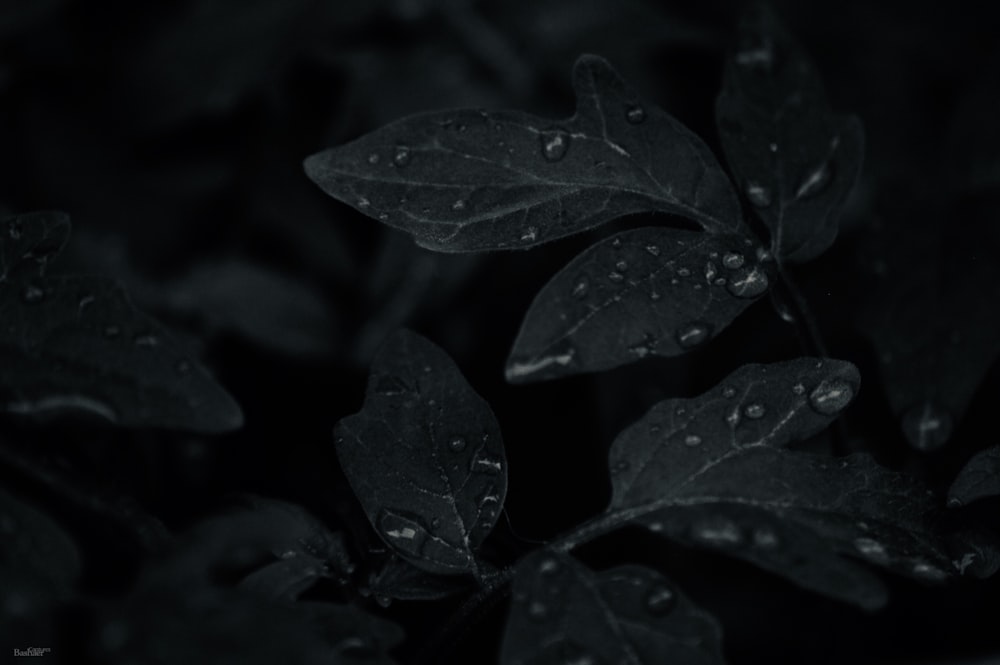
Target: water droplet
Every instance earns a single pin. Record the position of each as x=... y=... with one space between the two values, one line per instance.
x=927 y=426
x=653 y=249
x=635 y=114
x=402 y=156
x=683 y=272
x=692 y=335
x=554 y=145
x=654 y=295
x=32 y=295
x=680 y=411
x=799 y=389
x=616 y=276
x=758 y=195
x=733 y=418
x=758 y=57
x=457 y=444
x=622 y=266
x=765 y=537
x=364 y=203
x=616 y=243
x=773 y=147
x=831 y=396
x=14 y=229
x=718 y=532
x=486 y=465
x=692 y=440
x=871 y=549
x=529 y=234
x=660 y=599
x=581 y=287
x=373 y=158
x=148 y=340
x=814 y=182
x=639 y=350
x=548 y=566
x=458 y=205
x=733 y=260
x=538 y=611
x=729 y=392
x=111 y=332
x=748 y=283
x=710 y=271
x=754 y=411
x=928 y=572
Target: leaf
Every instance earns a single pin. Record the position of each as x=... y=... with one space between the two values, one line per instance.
x=401 y=580
x=30 y=241
x=424 y=457
x=271 y=309
x=75 y=343
x=710 y=471
x=471 y=180
x=356 y=635
x=564 y=613
x=795 y=160
x=978 y=479
x=649 y=291
x=931 y=314
x=286 y=579
x=35 y=549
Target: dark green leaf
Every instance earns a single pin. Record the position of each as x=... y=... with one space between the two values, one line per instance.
x=649 y=291
x=473 y=180
x=425 y=457
x=77 y=344
x=978 y=479
x=711 y=471
x=35 y=547
x=795 y=160
x=564 y=613
x=28 y=242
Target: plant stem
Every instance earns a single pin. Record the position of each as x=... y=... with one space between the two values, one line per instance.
x=803 y=316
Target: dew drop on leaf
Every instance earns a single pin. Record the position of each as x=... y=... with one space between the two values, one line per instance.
x=32 y=295
x=710 y=271
x=683 y=272
x=458 y=205
x=758 y=195
x=530 y=234
x=402 y=155
x=373 y=158
x=765 y=538
x=538 y=611
x=754 y=411
x=653 y=250
x=748 y=284
x=14 y=229
x=621 y=266
x=799 y=389
x=814 y=182
x=733 y=260
x=554 y=145
x=660 y=600
x=654 y=295
x=616 y=276
x=729 y=392
x=364 y=203
x=692 y=335
x=692 y=440
x=635 y=114
x=548 y=566
x=457 y=444
x=871 y=549
x=928 y=572
x=581 y=287
x=718 y=532
x=927 y=426
x=830 y=397
x=773 y=147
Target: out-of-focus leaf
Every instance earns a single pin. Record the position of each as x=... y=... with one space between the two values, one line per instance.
x=287 y=578
x=978 y=479
x=401 y=580
x=77 y=344
x=649 y=291
x=257 y=529
x=932 y=315
x=270 y=309
x=564 y=613
x=795 y=160
x=710 y=471
x=355 y=635
x=28 y=242
x=472 y=180
x=424 y=457
x=35 y=547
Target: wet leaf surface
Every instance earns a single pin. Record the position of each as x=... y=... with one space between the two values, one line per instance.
x=472 y=180
x=978 y=479
x=563 y=612
x=711 y=471
x=425 y=457
x=794 y=159
x=77 y=345
x=644 y=292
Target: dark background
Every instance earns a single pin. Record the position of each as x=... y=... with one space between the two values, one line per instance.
x=173 y=134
